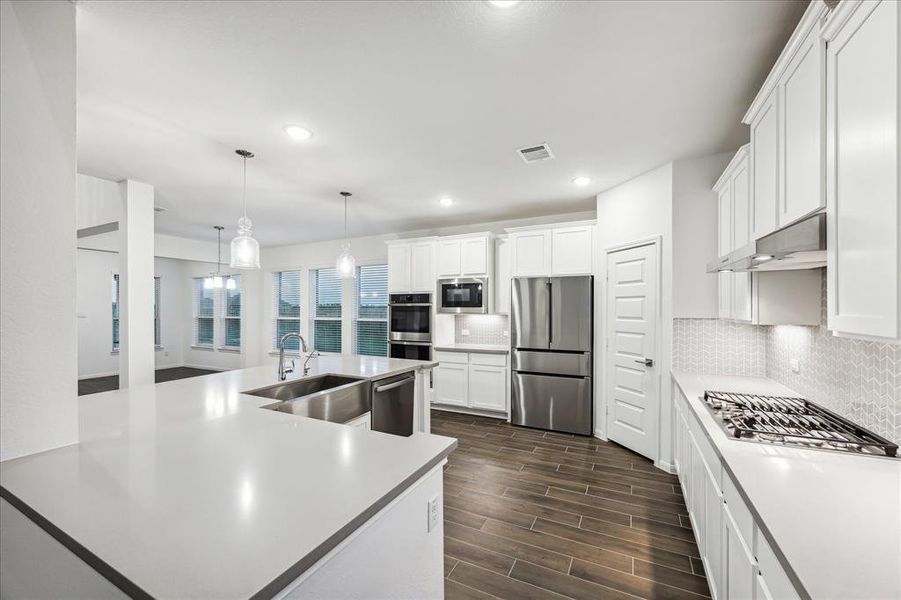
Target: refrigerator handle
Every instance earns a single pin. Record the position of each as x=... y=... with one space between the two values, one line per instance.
x=550 y=313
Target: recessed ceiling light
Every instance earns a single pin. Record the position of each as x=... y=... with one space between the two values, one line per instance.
x=446 y=201
x=503 y=3
x=582 y=180
x=298 y=133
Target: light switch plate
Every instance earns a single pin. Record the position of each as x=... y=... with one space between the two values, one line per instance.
x=795 y=365
x=464 y=332
x=434 y=512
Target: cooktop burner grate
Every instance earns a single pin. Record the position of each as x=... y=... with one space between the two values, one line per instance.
x=792 y=421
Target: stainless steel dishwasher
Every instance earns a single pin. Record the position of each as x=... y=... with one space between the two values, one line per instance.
x=392 y=404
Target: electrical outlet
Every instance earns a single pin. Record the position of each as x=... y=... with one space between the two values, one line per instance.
x=795 y=365
x=464 y=332
x=506 y=333
x=434 y=512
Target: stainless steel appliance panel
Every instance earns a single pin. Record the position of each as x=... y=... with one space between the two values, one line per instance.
x=410 y=317
x=570 y=313
x=552 y=402
x=392 y=404
x=463 y=295
x=530 y=302
x=410 y=350
x=554 y=363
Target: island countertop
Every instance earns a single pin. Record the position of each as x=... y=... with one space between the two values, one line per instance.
x=189 y=489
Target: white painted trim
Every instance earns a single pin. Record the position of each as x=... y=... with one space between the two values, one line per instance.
x=815 y=11
x=588 y=222
x=600 y=435
x=426 y=238
x=204 y=367
x=665 y=466
x=96 y=375
x=837 y=19
x=740 y=155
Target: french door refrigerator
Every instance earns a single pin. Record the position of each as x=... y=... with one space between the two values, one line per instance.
x=551 y=348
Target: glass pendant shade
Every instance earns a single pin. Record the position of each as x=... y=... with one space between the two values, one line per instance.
x=231 y=284
x=346 y=265
x=208 y=283
x=245 y=251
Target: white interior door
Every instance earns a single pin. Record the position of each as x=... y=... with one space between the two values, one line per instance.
x=631 y=380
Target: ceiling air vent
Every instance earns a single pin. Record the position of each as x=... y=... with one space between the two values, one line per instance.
x=536 y=153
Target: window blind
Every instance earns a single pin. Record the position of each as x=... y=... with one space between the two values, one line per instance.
x=204 y=315
x=285 y=307
x=156 y=311
x=231 y=314
x=371 y=328
x=327 y=290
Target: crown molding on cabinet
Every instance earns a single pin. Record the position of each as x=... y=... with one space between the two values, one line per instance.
x=547 y=226
x=740 y=154
x=838 y=18
x=812 y=17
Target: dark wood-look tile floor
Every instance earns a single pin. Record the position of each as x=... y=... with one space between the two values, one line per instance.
x=95 y=385
x=534 y=514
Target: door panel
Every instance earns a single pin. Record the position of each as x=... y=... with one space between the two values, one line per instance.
x=530 y=305
x=552 y=402
x=452 y=384
x=570 y=311
x=631 y=337
x=488 y=387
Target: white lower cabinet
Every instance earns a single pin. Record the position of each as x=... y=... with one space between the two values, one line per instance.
x=471 y=380
x=364 y=421
x=738 y=560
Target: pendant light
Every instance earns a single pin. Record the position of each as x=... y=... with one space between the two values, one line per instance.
x=346 y=265
x=215 y=280
x=245 y=251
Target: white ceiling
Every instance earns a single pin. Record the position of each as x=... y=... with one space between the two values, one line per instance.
x=408 y=101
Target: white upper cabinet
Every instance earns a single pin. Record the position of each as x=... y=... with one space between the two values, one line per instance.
x=464 y=256
x=399 y=267
x=740 y=185
x=801 y=175
x=562 y=249
x=411 y=265
x=724 y=213
x=503 y=274
x=862 y=169
x=764 y=164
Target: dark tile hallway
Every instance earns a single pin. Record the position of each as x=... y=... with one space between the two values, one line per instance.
x=107 y=384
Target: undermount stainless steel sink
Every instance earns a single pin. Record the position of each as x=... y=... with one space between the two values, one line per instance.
x=334 y=398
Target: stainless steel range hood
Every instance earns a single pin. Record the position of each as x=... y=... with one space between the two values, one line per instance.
x=801 y=245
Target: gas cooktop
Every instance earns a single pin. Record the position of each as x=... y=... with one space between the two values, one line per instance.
x=792 y=422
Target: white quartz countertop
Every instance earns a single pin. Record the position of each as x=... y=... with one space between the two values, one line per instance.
x=190 y=489
x=486 y=348
x=833 y=519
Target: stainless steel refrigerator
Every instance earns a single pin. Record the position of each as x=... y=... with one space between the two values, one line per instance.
x=551 y=347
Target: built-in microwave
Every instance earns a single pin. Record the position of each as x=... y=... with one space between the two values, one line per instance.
x=463 y=295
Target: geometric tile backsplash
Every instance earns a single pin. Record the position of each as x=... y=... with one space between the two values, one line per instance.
x=483 y=329
x=857 y=379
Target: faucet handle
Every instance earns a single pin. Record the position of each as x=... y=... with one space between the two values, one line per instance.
x=291 y=368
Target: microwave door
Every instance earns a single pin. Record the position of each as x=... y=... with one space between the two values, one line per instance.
x=530 y=302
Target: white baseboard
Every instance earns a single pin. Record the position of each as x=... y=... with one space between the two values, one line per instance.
x=600 y=435
x=205 y=367
x=96 y=375
x=665 y=466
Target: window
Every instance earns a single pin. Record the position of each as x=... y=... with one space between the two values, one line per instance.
x=204 y=315
x=156 y=311
x=326 y=285
x=231 y=318
x=372 y=310
x=285 y=307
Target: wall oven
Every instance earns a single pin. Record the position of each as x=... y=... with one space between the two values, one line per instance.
x=410 y=326
x=463 y=295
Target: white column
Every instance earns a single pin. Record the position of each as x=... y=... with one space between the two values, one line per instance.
x=38 y=333
x=136 y=351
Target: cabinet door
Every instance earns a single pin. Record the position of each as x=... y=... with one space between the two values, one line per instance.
x=502 y=276
x=452 y=384
x=713 y=527
x=399 y=268
x=448 y=258
x=571 y=251
x=422 y=260
x=724 y=226
x=741 y=296
x=738 y=563
x=725 y=295
x=802 y=136
x=361 y=422
x=862 y=173
x=698 y=496
x=531 y=253
x=741 y=205
x=488 y=387
x=765 y=168
x=474 y=256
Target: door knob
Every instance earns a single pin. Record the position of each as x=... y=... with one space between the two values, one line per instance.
x=648 y=362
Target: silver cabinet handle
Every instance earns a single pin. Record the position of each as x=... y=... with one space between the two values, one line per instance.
x=648 y=362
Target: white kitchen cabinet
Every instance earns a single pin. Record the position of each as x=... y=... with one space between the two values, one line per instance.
x=862 y=170
x=764 y=163
x=503 y=275
x=488 y=387
x=362 y=422
x=740 y=186
x=531 y=252
x=411 y=265
x=801 y=168
x=738 y=565
x=556 y=250
x=571 y=252
x=451 y=383
x=724 y=280
x=472 y=380
x=468 y=256
x=740 y=297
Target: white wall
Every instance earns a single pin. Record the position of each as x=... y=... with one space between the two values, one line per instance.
x=95 y=328
x=38 y=337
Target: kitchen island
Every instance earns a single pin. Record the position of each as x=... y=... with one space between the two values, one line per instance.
x=190 y=489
